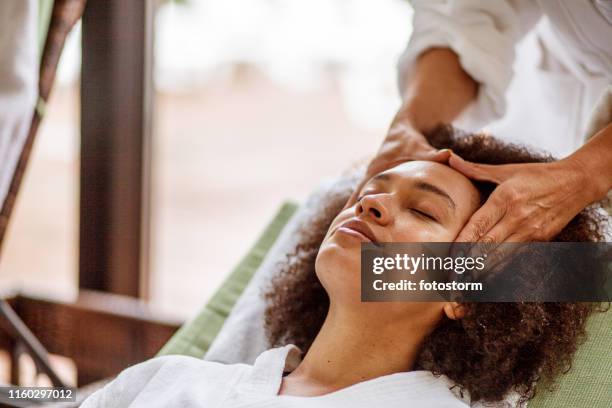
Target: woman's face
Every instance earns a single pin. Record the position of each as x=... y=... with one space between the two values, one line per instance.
x=417 y=201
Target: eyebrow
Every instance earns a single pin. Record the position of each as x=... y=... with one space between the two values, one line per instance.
x=422 y=185
x=381 y=177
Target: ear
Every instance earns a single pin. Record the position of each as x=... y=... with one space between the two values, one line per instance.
x=454 y=310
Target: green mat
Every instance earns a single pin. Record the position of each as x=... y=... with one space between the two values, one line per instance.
x=589 y=382
x=44 y=17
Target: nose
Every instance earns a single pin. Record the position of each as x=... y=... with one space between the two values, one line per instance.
x=374 y=207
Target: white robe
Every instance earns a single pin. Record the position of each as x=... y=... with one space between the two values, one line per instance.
x=187 y=382
x=540 y=93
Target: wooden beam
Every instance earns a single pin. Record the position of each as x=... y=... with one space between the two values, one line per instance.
x=115 y=140
x=23 y=336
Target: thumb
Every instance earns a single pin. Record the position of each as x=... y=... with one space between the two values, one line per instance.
x=483 y=172
x=440 y=156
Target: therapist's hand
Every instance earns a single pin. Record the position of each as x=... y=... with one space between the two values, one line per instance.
x=532 y=202
x=436 y=91
x=402 y=143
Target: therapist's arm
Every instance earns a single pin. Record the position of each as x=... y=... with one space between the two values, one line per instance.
x=437 y=92
x=535 y=201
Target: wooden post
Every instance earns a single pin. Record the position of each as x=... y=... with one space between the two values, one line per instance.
x=115 y=139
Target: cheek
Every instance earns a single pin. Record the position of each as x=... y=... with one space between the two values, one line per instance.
x=340 y=218
x=409 y=229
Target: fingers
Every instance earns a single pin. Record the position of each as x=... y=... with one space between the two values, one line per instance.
x=382 y=163
x=482 y=222
x=517 y=238
x=499 y=232
x=482 y=172
x=440 y=156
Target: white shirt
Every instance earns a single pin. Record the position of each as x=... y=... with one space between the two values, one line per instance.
x=187 y=382
x=542 y=65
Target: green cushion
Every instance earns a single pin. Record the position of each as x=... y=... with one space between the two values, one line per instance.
x=589 y=382
x=196 y=336
x=45 y=9
x=44 y=17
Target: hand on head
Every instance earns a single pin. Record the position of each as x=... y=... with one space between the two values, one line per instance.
x=532 y=201
x=403 y=143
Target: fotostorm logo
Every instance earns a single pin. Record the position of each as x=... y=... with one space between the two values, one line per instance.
x=412 y=264
x=472 y=272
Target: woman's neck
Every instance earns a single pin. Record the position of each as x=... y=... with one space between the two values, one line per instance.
x=350 y=349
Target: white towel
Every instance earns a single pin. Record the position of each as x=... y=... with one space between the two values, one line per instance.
x=18 y=82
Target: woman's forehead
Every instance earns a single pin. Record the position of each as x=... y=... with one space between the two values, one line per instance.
x=439 y=175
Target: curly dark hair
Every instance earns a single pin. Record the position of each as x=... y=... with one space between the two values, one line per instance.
x=496 y=347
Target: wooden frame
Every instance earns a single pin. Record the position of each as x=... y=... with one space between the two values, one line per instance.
x=65 y=15
x=89 y=330
x=116 y=105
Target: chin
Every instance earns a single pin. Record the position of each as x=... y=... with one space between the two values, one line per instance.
x=338 y=266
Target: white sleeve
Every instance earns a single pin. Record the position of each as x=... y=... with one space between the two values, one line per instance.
x=482 y=33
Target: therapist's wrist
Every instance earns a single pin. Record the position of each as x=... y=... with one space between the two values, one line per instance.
x=411 y=115
x=438 y=91
x=594 y=162
x=405 y=134
x=591 y=175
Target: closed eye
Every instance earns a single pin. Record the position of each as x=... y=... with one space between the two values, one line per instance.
x=424 y=214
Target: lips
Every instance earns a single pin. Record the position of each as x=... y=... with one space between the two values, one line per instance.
x=359 y=228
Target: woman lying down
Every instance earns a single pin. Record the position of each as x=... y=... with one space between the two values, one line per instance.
x=335 y=351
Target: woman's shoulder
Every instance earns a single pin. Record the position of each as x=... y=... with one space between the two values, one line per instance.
x=172 y=372
x=185 y=366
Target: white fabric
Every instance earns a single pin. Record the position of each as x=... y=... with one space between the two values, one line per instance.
x=605 y=8
x=540 y=93
x=187 y=382
x=602 y=115
x=18 y=81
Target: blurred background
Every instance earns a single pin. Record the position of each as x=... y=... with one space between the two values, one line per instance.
x=255 y=102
